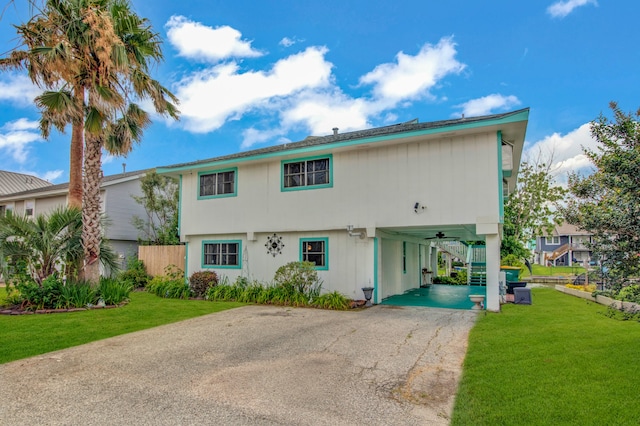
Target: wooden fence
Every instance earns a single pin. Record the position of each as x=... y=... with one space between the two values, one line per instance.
x=157 y=258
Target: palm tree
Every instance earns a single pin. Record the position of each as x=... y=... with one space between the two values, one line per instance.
x=96 y=55
x=46 y=244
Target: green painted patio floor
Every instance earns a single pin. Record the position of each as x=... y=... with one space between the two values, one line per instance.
x=437 y=296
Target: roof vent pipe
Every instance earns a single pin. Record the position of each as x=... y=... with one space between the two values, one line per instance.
x=335 y=131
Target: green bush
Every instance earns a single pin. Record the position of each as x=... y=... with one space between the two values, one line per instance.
x=298 y=277
x=630 y=293
x=43 y=296
x=201 y=281
x=135 y=274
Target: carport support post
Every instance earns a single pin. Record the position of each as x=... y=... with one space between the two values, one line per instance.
x=493 y=272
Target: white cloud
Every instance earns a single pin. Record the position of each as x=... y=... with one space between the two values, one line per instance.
x=487 y=104
x=252 y=136
x=16 y=136
x=321 y=112
x=300 y=89
x=412 y=77
x=197 y=41
x=566 y=150
x=211 y=97
x=51 y=175
x=19 y=89
x=287 y=42
x=560 y=9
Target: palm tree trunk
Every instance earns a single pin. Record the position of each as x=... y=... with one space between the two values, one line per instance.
x=91 y=232
x=76 y=154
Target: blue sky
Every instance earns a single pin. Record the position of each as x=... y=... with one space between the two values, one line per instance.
x=250 y=74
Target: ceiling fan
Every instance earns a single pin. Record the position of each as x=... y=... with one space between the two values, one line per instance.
x=440 y=235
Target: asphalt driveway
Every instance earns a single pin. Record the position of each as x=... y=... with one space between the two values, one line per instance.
x=256 y=365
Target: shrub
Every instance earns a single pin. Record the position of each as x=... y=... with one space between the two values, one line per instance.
x=300 y=277
x=512 y=260
x=43 y=296
x=136 y=274
x=114 y=292
x=630 y=293
x=201 y=281
x=444 y=280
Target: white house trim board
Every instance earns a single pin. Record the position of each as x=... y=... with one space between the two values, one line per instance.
x=385 y=189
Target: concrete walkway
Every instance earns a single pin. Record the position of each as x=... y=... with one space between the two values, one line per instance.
x=256 y=365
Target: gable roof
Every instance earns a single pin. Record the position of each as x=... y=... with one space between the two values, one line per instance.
x=62 y=188
x=378 y=134
x=11 y=182
x=569 y=229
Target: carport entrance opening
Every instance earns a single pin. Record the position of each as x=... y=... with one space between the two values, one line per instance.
x=437 y=296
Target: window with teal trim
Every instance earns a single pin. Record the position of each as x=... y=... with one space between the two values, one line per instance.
x=315 y=172
x=214 y=184
x=221 y=254
x=315 y=251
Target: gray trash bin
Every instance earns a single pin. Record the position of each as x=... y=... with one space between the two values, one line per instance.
x=522 y=296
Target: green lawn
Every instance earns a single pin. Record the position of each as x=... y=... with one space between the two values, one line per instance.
x=559 y=361
x=553 y=270
x=28 y=335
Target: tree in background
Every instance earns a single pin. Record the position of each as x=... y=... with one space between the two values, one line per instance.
x=606 y=203
x=532 y=209
x=93 y=58
x=160 y=202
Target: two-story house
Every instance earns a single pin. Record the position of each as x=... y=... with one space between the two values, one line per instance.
x=118 y=206
x=568 y=245
x=364 y=206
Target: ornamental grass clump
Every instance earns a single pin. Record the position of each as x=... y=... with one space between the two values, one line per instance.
x=53 y=293
x=170 y=286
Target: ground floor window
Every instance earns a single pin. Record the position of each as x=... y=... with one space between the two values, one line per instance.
x=315 y=250
x=221 y=254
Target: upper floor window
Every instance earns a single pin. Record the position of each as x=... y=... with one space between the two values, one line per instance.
x=221 y=183
x=552 y=241
x=222 y=254
x=307 y=173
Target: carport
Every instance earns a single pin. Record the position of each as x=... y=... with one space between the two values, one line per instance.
x=409 y=260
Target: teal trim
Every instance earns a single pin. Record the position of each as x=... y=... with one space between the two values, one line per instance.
x=375 y=269
x=303 y=241
x=500 y=177
x=306 y=187
x=186 y=261
x=211 y=172
x=517 y=116
x=239 y=254
x=419 y=265
x=179 y=204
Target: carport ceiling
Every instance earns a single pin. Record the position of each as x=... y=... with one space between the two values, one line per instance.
x=434 y=233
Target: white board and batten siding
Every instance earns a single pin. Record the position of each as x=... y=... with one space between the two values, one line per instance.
x=374 y=187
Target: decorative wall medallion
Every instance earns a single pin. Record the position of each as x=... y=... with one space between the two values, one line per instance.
x=274 y=245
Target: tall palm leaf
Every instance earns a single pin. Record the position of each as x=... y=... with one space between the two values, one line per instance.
x=93 y=58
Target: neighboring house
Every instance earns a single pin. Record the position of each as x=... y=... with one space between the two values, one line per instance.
x=364 y=206
x=565 y=247
x=11 y=183
x=117 y=204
